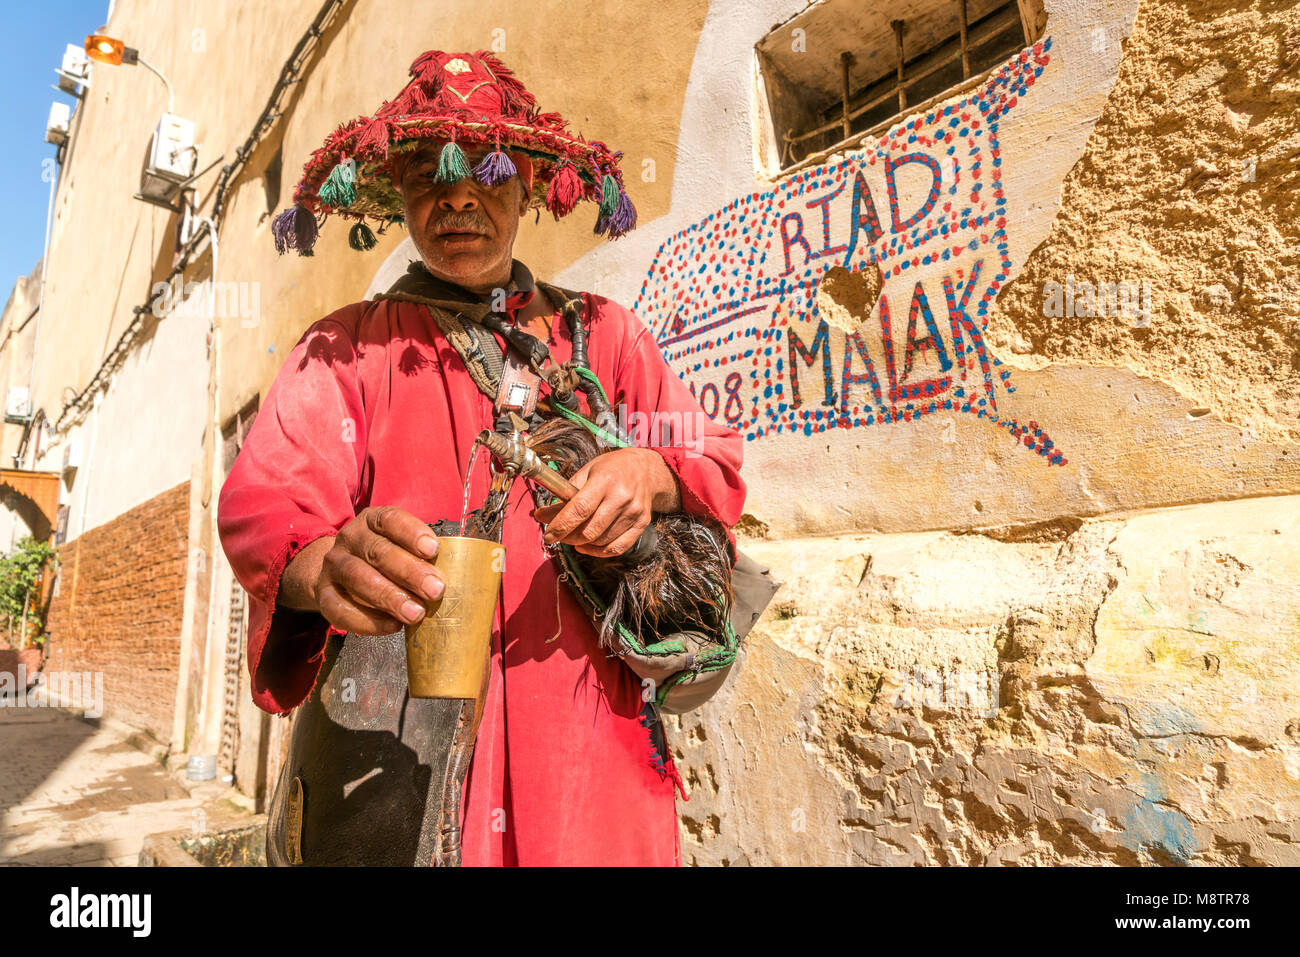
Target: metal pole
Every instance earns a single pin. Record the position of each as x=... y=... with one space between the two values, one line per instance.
x=965 y=50
x=1026 y=21
x=898 y=43
x=846 y=59
x=171 y=100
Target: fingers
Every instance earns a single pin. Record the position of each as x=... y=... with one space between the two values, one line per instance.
x=595 y=516
x=398 y=565
x=613 y=517
x=617 y=546
x=376 y=577
x=403 y=528
x=581 y=476
x=606 y=526
x=352 y=578
x=546 y=513
x=346 y=615
x=605 y=509
x=627 y=520
x=602 y=528
x=395 y=543
x=572 y=514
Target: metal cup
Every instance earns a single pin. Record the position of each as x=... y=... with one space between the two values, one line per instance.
x=446 y=653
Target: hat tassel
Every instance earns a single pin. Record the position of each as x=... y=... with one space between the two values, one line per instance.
x=624 y=218
x=452 y=165
x=373 y=141
x=495 y=168
x=361 y=237
x=340 y=188
x=295 y=228
x=564 y=191
x=621 y=221
x=609 y=196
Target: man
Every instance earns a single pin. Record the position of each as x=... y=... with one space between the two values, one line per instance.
x=364 y=440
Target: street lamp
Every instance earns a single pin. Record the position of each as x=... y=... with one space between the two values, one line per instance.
x=112 y=51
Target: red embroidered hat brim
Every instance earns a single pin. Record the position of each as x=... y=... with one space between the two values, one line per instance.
x=455 y=99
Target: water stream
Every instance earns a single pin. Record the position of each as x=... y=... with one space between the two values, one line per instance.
x=469 y=471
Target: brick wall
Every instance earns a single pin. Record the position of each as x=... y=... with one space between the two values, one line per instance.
x=118 y=610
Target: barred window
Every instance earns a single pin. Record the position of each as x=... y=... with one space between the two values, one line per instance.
x=842 y=68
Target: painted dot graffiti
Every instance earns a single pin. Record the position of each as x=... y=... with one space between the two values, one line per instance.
x=732 y=299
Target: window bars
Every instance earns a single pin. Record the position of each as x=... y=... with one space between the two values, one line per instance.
x=923 y=65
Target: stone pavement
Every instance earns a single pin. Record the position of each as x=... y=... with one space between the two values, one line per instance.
x=73 y=792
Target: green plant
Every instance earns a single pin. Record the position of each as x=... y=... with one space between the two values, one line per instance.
x=21 y=609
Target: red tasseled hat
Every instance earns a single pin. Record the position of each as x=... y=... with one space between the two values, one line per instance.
x=457 y=97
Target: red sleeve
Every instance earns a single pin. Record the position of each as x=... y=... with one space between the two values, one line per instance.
x=660 y=412
x=295 y=480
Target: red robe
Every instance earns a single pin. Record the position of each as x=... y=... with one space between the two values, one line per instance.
x=374 y=407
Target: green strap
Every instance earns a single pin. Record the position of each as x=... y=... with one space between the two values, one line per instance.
x=590 y=426
x=582 y=420
x=588 y=374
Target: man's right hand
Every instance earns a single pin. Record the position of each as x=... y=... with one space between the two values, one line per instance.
x=371 y=578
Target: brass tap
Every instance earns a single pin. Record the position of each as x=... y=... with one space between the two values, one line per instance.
x=514 y=455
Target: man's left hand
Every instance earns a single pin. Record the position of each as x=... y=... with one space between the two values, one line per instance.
x=618 y=494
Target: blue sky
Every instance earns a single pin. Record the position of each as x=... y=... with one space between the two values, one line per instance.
x=36 y=34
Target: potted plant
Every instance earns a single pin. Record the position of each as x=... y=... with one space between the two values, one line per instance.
x=22 y=610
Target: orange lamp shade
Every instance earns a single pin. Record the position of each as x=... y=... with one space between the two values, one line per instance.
x=105 y=49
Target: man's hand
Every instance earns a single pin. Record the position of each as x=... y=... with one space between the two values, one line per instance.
x=619 y=492
x=371 y=578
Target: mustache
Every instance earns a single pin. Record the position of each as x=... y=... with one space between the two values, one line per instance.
x=465 y=221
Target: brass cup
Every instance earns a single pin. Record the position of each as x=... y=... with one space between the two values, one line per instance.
x=446 y=653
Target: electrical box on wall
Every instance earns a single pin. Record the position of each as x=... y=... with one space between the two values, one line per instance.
x=72 y=456
x=171 y=161
x=56 y=127
x=18 y=405
x=74 y=71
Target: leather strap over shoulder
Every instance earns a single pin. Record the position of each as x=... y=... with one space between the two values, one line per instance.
x=573 y=308
x=468 y=324
x=558 y=295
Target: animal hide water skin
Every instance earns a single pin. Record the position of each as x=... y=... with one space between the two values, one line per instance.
x=683 y=585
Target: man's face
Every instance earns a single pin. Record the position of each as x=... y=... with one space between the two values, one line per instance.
x=464 y=231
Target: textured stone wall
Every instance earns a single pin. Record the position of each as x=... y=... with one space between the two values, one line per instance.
x=118 y=610
x=1119 y=690
x=1190 y=181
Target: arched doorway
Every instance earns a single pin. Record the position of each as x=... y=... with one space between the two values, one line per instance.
x=34 y=497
